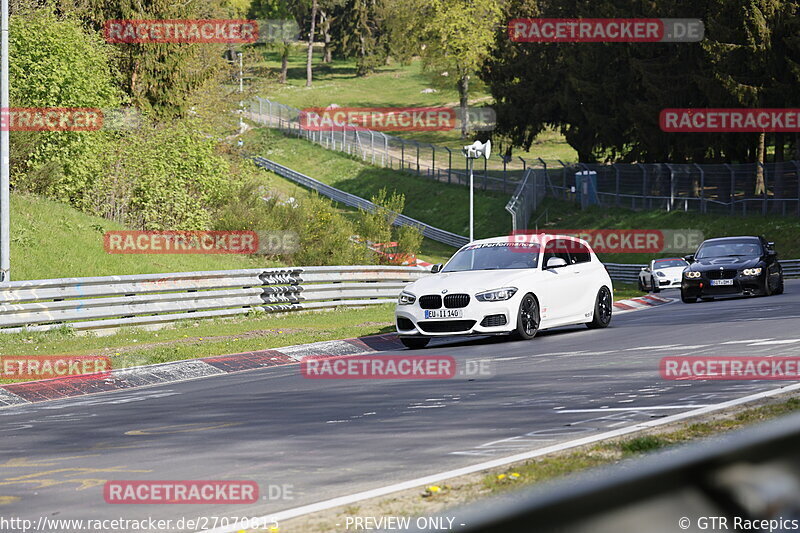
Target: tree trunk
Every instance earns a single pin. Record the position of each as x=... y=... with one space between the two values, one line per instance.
x=760 y=185
x=285 y=61
x=325 y=23
x=309 y=73
x=463 y=94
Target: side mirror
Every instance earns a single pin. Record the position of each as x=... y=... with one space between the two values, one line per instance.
x=555 y=262
x=435 y=269
x=689 y=258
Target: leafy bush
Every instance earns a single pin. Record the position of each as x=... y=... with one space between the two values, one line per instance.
x=324 y=234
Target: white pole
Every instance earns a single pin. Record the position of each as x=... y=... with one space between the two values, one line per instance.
x=5 y=219
x=471 y=199
x=241 y=90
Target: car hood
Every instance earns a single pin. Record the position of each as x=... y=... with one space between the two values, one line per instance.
x=470 y=281
x=671 y=272
x=725 y=262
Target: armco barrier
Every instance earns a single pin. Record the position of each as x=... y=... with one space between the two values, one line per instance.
x=146 y=299
x=137 y=300
x=352 y=200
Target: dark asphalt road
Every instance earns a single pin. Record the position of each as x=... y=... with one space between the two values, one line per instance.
x=331 y=438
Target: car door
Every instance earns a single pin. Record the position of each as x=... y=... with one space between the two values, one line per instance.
x=561 y=288
x=586 y=279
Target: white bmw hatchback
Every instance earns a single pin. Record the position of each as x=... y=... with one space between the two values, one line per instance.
x=507 y=286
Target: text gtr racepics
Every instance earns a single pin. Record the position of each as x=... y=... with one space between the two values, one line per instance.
x=499 y=286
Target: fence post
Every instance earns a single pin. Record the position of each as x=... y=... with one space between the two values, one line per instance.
x=644 y=184
x=797 y=174
x=505 y=164
x=764 y=173
x=433 y=163
x=402 y=153
x=449 y=162
x=616 y=184
x=733 y=185
x=372 y=145
x=385 y=150
x=702 y=188
x=417 y=143
x=671 y=187
x=485 y=176
x=546 y=177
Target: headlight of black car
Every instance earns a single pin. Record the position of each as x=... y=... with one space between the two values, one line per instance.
x=691 y=274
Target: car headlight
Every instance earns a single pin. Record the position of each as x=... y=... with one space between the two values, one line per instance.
x=661 y=275
x=751 y=271
x=691 y=275
x=406 y=298
x=496 y=295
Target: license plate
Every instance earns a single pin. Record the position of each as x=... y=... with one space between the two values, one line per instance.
x=717 y=282
x=443 y=313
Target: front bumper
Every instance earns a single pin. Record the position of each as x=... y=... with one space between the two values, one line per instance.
x=478 y=318
x=667 y=283
x=701 y=286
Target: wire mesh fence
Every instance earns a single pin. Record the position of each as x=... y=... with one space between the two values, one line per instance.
x=736 y=189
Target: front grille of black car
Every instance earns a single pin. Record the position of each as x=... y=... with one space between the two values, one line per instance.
x=430 y=301
x=491 y=321
x=721 y=274
x=446 y=326
x=404 y=323
x=456 y=301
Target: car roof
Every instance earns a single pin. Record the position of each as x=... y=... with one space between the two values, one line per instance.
x=717 y=239
x=530 y=236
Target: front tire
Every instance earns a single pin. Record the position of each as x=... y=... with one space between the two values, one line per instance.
x=687 y=299
x=655 y=285
x=527 y=318
x=779 y=288
x=414 y=343
x=603 y=307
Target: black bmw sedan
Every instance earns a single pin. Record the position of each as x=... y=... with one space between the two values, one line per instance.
x=732 y=265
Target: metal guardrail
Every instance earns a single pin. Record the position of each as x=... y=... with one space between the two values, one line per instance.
x=352 y=200
x=98 y=303
x=627 y=273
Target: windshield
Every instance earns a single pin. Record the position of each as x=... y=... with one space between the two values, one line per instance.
x=669 y=263
x=494 y=256
x=730 y=248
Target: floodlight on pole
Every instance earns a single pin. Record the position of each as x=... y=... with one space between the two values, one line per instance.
x=472 y=152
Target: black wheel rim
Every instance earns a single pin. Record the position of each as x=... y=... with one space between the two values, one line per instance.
x=529 y=316
x=604 y=305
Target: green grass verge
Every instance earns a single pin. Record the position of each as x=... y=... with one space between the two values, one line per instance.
x=52 y=240
x=392 y=85
x=439 y=204
x=784 y=231
x=190 y=339
x=558 y=465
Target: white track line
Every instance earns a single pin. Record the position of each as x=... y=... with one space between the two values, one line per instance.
x=654 y=408
x=418 y=482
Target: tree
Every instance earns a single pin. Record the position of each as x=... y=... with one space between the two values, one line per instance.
x=458 y=36
x=275 y=10
x=361 y=33
x=160 y=77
